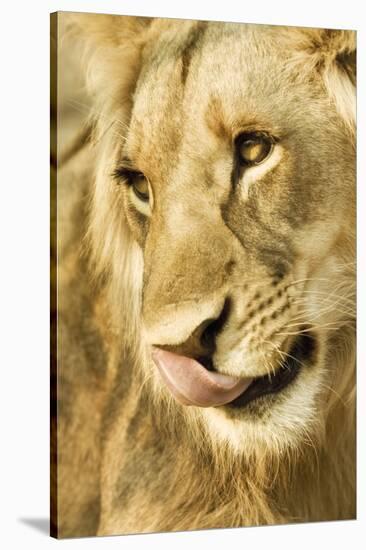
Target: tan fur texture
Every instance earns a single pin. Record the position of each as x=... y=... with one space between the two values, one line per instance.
x=273 y=247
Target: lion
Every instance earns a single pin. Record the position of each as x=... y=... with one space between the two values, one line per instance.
x=207 y=279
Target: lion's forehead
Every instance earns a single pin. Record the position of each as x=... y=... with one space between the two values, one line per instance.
x=201 y=85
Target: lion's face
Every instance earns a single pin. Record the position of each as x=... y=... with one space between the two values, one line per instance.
x=237 y=176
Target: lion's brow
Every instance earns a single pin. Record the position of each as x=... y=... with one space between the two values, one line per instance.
x=125 y=163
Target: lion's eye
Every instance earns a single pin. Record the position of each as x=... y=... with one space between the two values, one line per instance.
x=140 y=187
x=254 y=148
x=135 y=180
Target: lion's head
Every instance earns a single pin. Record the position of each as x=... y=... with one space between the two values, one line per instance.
x=223 y=217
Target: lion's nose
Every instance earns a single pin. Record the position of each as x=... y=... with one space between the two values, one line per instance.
x=201 y=343
x=209 y=329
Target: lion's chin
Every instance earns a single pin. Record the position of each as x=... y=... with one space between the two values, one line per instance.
x=278 y=415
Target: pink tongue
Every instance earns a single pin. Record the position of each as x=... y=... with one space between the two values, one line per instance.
x=192 y=384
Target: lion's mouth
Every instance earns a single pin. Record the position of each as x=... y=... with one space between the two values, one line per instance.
x=300 y=352
x=194 y=382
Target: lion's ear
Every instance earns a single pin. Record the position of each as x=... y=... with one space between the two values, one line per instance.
x=109 y=49
x=332 y=53
x=340 y=76
x=338 y=65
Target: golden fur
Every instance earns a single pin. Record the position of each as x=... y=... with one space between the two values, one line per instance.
x=163 y=466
